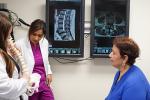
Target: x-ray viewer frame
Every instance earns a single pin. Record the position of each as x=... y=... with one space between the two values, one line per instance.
x=65 y=28
x=109 y=19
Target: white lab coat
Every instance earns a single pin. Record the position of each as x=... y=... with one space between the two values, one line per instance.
x=10 y=88
x=25 y=47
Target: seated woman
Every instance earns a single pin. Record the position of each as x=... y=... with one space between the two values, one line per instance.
x=130 y=82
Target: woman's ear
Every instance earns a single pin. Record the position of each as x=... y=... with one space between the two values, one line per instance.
x=125 y=59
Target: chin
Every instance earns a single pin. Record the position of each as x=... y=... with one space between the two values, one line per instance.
x=114 y=65
x=35 y=42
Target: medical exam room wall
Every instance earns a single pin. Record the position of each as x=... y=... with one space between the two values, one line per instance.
x=89 y=79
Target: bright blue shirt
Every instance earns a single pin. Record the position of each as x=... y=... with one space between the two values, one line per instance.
x=132 y=86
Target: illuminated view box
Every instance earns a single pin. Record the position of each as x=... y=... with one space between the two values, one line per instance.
x=65 y=27
x=109 y=19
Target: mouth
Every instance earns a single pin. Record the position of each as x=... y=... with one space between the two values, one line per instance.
x=111 y=60
x=34 y=42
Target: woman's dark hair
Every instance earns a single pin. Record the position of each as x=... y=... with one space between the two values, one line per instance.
x=5 y=26
x=127 y=47
x=37 y=25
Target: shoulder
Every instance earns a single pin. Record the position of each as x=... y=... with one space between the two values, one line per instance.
x=44 y=41
x=137 y=72
x=2 y=62
x=20 y=41
x=136 y=77
x=1 y=57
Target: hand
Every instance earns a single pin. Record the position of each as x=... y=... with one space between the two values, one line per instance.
x=30 y=91
x=26 y=76
x=34 y=81
x=49 y=79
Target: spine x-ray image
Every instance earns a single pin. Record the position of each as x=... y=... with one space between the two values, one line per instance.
x=64 y=26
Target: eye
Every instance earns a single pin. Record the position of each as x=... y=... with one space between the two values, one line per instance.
x=41 y=35
x=33 y=34
x=113 y=53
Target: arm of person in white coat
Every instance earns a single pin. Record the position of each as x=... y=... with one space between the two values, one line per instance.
x=10 y=87
x=49 y=72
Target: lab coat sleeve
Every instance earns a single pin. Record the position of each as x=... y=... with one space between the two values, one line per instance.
x=47 y=60
x=10 y=87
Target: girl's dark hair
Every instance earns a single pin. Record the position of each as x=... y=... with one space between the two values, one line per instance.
x=5 y=26
x=37 y=25
x=127 y=47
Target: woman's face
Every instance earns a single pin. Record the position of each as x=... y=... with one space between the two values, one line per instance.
x=9 y=32
x=9 y=37
x=36 y=36
x=115 y=57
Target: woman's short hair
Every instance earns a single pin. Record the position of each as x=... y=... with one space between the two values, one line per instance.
x=127 y=46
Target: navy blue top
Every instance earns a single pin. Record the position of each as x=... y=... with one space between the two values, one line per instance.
x=132 y=86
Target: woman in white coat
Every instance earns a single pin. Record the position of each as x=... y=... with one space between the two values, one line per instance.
x=35 y=51
x=12 y=86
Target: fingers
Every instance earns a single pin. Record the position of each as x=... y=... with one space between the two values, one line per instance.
x=30 y=91
x=48 y=81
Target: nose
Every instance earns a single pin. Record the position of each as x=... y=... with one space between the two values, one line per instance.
x=36 y=38
x=110 y=54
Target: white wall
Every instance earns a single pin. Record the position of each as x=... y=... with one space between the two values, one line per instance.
x=88 y=80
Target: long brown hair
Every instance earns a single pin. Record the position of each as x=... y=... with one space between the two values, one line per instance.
x=5 y=26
